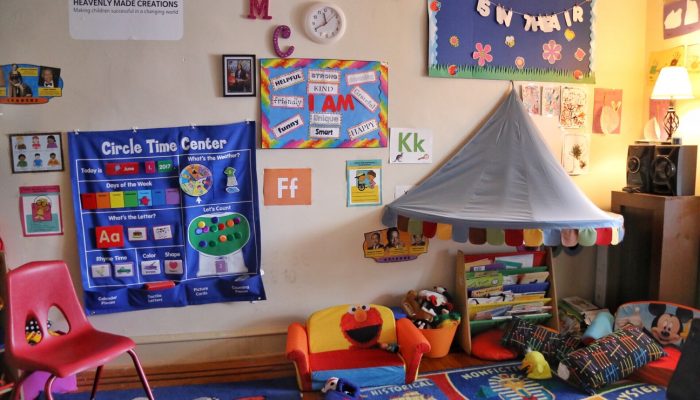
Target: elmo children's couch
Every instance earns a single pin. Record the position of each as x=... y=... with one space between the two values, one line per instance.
x=346 y=342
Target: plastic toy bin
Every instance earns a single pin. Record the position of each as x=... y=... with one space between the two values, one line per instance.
x=440 y=340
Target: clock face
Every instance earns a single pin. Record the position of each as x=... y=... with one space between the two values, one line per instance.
x=325 y=23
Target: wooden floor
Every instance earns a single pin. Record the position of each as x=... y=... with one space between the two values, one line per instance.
x=248 y=369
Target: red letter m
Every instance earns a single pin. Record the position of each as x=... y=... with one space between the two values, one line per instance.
x=259 y=7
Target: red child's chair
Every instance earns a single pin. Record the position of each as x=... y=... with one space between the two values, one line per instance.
x=31 y=290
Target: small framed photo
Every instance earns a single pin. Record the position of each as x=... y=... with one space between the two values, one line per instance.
x=239 y=75
x=36 y=152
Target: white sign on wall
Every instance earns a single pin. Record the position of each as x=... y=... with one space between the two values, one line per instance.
x=410 y=146
x=126 y=19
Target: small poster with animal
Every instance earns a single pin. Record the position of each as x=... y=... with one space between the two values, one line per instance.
x=40 y=210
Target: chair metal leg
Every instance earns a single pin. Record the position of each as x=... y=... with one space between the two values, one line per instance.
x=96 y=382
x=47 y=387
x=142 y=376
x=18 y=385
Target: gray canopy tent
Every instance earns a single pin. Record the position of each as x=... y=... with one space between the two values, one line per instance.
x=504 y=185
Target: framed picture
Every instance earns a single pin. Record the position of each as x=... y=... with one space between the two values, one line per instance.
x=239 y=75
x=36 y=152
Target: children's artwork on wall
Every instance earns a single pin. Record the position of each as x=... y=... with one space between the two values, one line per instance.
x=239 y=75
x=680 y=17
x=36 y=152
x=364 y=182
x=392 y=245
x=664 y=58
x=573 y=107
x=531 y=98
x=607 y=110
x=540 y=41
x=551 y=100
x=692 y=64
x=657 y=112
x=166 y=217
x=287 y=186
x=40 y=210
x=410 y=146
x=576 y=153
x=29 y=84
x=309 y=103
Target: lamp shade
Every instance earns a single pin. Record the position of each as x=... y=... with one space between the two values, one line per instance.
x=672 y=83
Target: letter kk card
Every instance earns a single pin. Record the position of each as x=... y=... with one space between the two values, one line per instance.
x=410 y=146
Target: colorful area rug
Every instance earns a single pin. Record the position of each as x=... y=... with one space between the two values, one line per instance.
x=277 y=389
x=503 y=382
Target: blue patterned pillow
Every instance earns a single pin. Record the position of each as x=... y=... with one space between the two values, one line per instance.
x=610 y=358
x=522 y=335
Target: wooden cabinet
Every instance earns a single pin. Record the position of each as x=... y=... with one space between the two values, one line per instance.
x=468 y=327
x=658 y=257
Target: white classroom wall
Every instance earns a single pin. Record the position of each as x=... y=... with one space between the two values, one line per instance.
x=312 y=255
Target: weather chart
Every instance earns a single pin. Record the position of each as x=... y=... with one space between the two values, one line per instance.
x=167 y=217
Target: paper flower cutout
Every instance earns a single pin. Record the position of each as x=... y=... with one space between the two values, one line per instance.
x=452 y=69
x=579 y=54
x=510 y=41
x=482 y=54
x=569 y=34
x=435 y=6
x=520 y=62
x=551 y=51
x=578 y=74
x=454 y=41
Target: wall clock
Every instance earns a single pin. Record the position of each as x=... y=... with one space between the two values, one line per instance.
x=324 y=23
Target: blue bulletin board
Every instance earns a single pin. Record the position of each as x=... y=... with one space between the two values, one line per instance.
x=543 y=40
x=307 y=103
x=166 y=217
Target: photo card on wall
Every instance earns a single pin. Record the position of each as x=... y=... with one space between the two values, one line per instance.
x=36 y=152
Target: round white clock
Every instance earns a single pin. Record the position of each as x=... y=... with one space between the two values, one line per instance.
x=325 y=22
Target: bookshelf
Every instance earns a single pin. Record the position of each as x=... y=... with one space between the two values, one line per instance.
x=469 y=326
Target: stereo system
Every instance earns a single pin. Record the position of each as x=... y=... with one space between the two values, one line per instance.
x=661 y=169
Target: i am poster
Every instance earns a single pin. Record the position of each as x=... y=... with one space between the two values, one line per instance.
x=364 y=182
x=308 y=103
x=167 y=217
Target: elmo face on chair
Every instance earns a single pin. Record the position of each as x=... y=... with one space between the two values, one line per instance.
x=361 y=326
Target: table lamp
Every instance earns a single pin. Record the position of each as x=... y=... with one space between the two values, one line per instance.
x=673 y=83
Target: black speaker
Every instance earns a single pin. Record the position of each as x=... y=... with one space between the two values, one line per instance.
x=673 y=170
x=639 y=158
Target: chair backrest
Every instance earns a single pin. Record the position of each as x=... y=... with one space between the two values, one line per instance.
x=31 y=291
x=668 y=323
x=350 y=326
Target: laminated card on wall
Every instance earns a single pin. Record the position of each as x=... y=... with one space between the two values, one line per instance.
x=167 y=217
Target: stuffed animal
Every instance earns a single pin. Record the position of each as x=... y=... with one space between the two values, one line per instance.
x=535 y=366
x=435 y=302
x=340 y=389
x=410 y=304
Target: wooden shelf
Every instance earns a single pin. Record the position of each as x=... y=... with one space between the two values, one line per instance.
x=464 y=334
x=658 y=257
